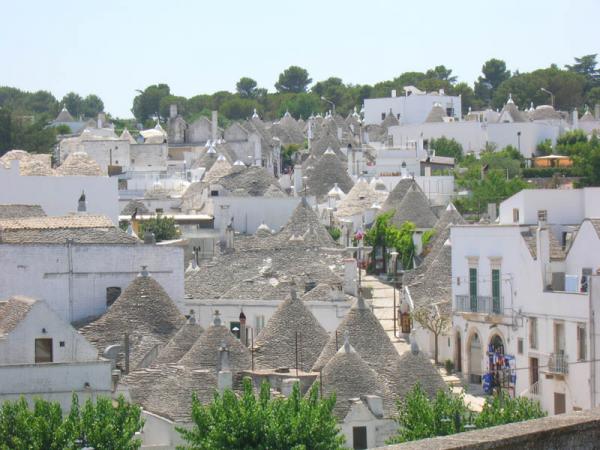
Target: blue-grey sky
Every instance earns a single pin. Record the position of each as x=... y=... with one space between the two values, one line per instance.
x=112 y=47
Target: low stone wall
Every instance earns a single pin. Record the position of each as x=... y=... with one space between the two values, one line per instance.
x=578 y=430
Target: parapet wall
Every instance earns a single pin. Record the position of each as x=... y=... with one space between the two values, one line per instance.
x=578 y=430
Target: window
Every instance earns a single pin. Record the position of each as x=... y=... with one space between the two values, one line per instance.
x=382 y=116
x=559 y=338
x=112 y=294
x=61 y=344
x=159 y=210
x=450 y=112
x=214 y=193
x=473 y=288
x=398 y=116
x=533 y=333
x=581 y=342
x=586 y=273
x=520 y=346
x=515 y=215
x=43 y=350
x=542 y=215
x=496 y=291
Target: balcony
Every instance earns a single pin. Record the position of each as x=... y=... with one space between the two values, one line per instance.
x=558 y=363
x=479 y=304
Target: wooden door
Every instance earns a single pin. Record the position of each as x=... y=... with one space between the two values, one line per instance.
x=359 y=437
x=560 y=404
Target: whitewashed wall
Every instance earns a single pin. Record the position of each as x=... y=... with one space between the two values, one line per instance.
x=42 y=272
x=58 y=196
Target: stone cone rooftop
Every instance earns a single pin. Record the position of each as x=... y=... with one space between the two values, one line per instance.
x=145 y=311
x=204 y=354
x=366 y=336
x=180 y=344
x=79 y=164
x=397 y=194
x=292 y=322
x=303 y=220
x=348 y=376
x=415 y=208
x=326 y=172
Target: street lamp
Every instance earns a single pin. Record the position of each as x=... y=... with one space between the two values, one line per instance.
x=330 y=102
x=394 y=256
x=551 y=95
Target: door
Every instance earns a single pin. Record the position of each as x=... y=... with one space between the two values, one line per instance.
x=559 y=338
x=560 y=405
x=534 y=371
x=43 y=350
x=359 y=437
x=475 y=355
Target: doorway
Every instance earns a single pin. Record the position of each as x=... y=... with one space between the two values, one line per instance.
x=560 y=404
x=475 y=355
x=359 y=438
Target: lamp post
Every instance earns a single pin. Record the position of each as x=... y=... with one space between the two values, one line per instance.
x=394 y=256
x=551 y=95
x=330 y=102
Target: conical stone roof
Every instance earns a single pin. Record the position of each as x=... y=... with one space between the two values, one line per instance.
x=328 y=171
x=348 y=376
x=205 y=353
x=180 y=344
x=414 y=367
x=366 y=336
x=414 y=208
x=219 y=169
x=143 y=310
x=64 y=116
x=436 y=114
x=291 y=326
x=79 y=164
x=397 y=194
x=360 y=198
x=132 y=206
x=390 y=120
x=303 y=220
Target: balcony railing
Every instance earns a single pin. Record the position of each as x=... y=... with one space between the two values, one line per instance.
x=534 y=390
x=479 y=304
x=558 y=363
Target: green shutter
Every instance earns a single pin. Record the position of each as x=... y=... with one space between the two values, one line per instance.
x=473 y=288
x=496 y=291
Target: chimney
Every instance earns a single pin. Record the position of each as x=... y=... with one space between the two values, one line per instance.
x=144 y=272
x=350 y=273
x=101 y=119
x=224 y=376
x=393 y=93
x=575 y=119
x=81 y=203
x=543 y=252
x=243 y=332
x=403 y=170
x=215 y=126
x=172 y=111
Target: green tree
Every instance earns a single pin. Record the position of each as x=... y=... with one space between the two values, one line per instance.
x=92 y=105
x=237 y=108
x=73 y=101
x=5 y=130
x=420 y=417
x=447 y=147
x=501 y=409
x=293 y=79
x=146 y=105
x=585 y=155
x=431 y=319
x=494 y=73
x=99 y=424
x=246 y=87
x=301 y=106
x=441 y=73
x=261 y=422
x=586 y=66
x=468 y=99
x=593 y=97
x=164 y=228
x=384 y=234
x=544 y=148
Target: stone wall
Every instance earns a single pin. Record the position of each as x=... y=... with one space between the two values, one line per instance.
x=578 y=430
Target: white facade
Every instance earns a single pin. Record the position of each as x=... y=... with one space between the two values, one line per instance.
x=473 y=135
x=249 y=213
x=258 y=312
x=546 y=325
x=75 y=366
x=73 y=279
x=58 y=196
x=410 y=109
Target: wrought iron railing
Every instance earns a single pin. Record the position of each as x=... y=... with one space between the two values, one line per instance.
x=558 y=363
x=479 y=304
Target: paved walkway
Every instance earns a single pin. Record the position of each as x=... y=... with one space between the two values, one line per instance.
x=383 y=308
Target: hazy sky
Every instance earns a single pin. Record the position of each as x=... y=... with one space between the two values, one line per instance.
x=113 y=47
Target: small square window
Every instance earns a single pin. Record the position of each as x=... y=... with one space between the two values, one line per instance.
x=61 y=343
x=542 y=215
x=520 y=346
